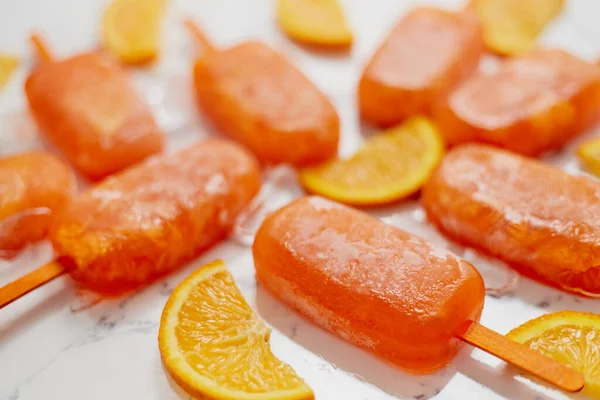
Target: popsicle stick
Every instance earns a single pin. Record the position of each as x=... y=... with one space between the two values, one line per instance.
x=32 y=280
x=199 y=35
x=41 y=49
x=536 y=363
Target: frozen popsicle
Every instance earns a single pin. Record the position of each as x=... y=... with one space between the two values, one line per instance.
x=141 y=224
x=87 y=108
x=256 y=96
x=534 y=216
x=381 y=288
x=422 y=59
x=33 y=187
x=532 y=103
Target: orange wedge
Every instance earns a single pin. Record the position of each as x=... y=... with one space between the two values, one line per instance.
x=589 y=155
x=570 y=337
x=8 y=65
x=389 y=167
x=215 y=347
x=316 y=22
x=131 y=29
x=511 y=26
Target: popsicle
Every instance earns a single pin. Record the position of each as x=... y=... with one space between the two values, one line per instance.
x=381 y=288
x=256 y=96
x=141 y=224
x=87 y=108
x=422 y=59
x=532 y=103
x=33 y=187
x=534 y=216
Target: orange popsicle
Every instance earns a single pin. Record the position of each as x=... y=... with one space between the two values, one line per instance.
x=373 y=284
x=86 y=107
x=532 y=215
x=33 y=187
x=144 y=222
x=533 y=103
x=423 y=58
x=256 y=96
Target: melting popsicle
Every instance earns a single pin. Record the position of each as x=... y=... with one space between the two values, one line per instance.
x=33 y=187
x=87 y=108
x=423 y=58
x=533 y=103
x=254 y=95
x=534 y=216
x=383 y=289
x=141 y=224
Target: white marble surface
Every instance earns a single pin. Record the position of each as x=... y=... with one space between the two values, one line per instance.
x=60 y=343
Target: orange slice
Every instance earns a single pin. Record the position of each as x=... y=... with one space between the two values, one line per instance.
x=511 y=26
x=589 y=155
x=131 y=29
x=8 y=65
x=570 y=337
x=389 y=167
x=317 y=22
x=215 y=346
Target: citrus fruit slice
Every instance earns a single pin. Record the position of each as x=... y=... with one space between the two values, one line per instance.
x=389 y=167
x=317 y=22
x=570 y=337
x=131 y=29
x=215 y=347
x=8 y=65
x=511 y=26
x=589 y=154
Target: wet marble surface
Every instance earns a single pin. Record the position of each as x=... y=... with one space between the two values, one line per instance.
x=60 y=342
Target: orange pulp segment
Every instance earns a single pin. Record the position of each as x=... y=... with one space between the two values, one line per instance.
x=216 y=347
x=131 y=29
x=589 y=154
x=389 y=167
x=511 y=26
x=318 y=22
x=570 y=337
x=8 y=65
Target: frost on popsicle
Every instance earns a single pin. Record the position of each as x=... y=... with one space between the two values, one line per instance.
x=534 y=216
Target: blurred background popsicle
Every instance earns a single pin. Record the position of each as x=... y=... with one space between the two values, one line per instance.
x=532 y=103
x=143 y=223
x=383 y=289
x=422 y=59
x=256 y=96
x=532 y=215
x=33 y=188
x=87 y=108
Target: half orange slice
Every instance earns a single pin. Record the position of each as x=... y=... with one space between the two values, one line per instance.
x=215 y=347
x=389 y=167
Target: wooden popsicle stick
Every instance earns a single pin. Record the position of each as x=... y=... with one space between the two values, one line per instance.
x=41 y=49
x=536 y=363
x=200 y=37
x=32 y=280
